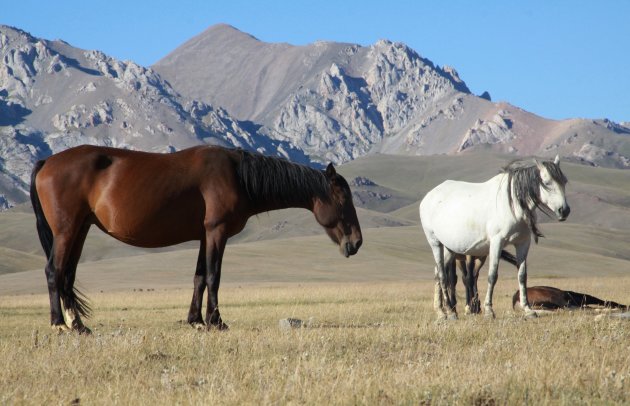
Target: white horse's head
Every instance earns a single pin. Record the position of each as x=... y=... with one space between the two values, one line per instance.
x=552 y=186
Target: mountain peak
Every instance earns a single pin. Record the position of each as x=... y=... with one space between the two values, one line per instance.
x=225 y=31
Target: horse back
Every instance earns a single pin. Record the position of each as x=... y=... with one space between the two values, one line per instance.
x=144 y=199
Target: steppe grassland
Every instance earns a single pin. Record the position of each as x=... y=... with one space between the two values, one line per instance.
x=367 y=343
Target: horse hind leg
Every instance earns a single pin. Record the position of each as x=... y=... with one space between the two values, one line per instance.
x=448 y=288
x=72 y=313
x=56 y=315
x=438 y=297
x=443 y=258
x=451 y=275
x=61 y=272
x=194 y=314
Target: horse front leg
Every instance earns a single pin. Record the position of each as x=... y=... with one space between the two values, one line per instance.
x=493 y=275
x=56 y=315
x=215 y=246
x=521 y=261
x=194 y=314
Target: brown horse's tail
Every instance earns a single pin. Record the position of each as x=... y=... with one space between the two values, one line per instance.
x=64 y=279
x=507 y=257
x=43 y=228
x=583 y=299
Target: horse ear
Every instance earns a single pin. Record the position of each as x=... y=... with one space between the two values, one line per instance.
x=330 y=170
x=557 y=160
x=538 y=164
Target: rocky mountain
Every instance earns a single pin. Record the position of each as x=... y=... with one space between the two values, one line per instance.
x=316 y=103
x=54 y=96
x=339 y=101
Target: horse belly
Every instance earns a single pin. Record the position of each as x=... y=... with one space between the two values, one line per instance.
x=156 y=236
x=467 y=243
x=153 y=226
x=460 y=228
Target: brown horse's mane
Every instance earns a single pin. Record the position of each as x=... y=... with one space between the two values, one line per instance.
x=271 y=179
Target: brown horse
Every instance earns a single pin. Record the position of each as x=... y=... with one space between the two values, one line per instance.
x=469 y=266
x=549 y=298
x=154 y=200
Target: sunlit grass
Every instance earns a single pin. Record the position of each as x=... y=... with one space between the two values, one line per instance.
x=367 y=343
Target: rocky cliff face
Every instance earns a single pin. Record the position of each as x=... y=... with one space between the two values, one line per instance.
x=338 y=101
x=54 y=96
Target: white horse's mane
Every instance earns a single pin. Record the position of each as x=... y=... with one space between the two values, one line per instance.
x=524 y=184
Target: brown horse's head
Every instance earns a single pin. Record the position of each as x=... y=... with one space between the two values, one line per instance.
x=337 y=214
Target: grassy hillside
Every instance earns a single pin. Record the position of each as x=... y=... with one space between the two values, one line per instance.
x=288 y=245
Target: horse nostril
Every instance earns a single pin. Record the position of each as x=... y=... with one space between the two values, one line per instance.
x=567 y=211
x=358 y=244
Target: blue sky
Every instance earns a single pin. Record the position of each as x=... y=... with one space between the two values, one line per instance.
x=558 y=59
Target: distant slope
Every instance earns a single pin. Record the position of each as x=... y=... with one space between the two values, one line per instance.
x=594 y=238
x=341 y=101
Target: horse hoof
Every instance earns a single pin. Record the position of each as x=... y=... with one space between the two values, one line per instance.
x=83 y=330
x=221 y=326
x=489 y=314
x=452 y=316
x=467 y=310
x=59 y=328
x=441 y=317
x=198 y=326
x=531 y=315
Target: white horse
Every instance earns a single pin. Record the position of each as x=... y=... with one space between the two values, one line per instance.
x=480 y=219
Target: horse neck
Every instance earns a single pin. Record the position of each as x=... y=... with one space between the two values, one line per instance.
x=272 y=184
x=258 y=207
x=516 y=211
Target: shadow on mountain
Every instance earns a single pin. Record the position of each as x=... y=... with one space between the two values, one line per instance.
x=11 y=113
x=278 y=147
x=36 y=139
x=76 y=65
x=250 y=126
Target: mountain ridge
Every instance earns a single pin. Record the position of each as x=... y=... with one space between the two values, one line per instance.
x=318 y=103
x=338 y=101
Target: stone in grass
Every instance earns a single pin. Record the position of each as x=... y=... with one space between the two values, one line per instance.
x=289 y=323
x=625 y=315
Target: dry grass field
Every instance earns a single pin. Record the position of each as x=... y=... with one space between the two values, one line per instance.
x=367 y=343
x=373 y=337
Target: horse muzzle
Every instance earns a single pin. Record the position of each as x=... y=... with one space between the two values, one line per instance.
x=563 y=212
x=351 y=248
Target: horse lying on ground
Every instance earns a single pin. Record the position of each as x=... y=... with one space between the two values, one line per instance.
x=549 y=298
x=494 y=214
x=149 y=200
